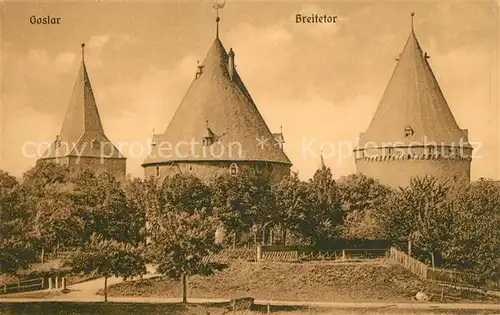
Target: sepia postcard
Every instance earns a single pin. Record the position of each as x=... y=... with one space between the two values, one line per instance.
x=249 y=157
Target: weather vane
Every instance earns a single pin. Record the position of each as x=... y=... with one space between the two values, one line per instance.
x=218 y=6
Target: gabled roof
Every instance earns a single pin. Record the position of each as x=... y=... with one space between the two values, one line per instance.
x=222 y=101
x=413 y=108
x=82 y=133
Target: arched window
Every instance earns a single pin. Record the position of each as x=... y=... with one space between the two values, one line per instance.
x=233 y=169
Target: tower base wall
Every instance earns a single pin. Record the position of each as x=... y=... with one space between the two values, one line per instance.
x=397 y=173
x=209 y=170
x=115 y=167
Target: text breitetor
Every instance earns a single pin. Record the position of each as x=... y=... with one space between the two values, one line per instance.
x=45 y=20
x=315 y=18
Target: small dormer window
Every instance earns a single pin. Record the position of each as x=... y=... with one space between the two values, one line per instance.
x=209 y=137
x=207 y=141
x=57 y=143
x=233 y=169
x=94 y=144
x=409 y=131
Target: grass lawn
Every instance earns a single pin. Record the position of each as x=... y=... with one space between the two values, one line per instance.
x=375 y=281
x=71 y=308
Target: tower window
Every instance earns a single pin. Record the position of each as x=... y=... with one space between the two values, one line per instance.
x=409 y=131
x=233 y=169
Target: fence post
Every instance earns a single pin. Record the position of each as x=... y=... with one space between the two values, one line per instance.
x=259 y=253
x=19 y=286
x=343 y=254
x=4 y=288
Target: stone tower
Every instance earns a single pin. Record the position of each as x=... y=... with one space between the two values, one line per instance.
x=82 y=143
x=413 y=132
x=217 y=129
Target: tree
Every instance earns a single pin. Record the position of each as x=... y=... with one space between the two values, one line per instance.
x=45 y=175
x=476 y=235
x=293 y=204
x=143 y=197
x=102 y=204
x=421 y=213
x=181 y=243
x=16 y=250
x=358 y=192
x=56 y=223
x=48 y=186
x=241 y=202
x=326 y=217
x=186 y=192
x=360 y=198
x=107 y=258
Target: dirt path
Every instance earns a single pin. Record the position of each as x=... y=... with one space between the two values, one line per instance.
x=340 y=305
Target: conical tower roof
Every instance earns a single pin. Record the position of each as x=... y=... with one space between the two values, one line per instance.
x=217 y=97
x=82 y=133
x=413 y=109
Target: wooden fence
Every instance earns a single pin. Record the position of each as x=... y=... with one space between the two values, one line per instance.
x=352 y=253
x=225 y=256
x=22 y=286
x=280 y=256
x=447 y=276
x=410 y=263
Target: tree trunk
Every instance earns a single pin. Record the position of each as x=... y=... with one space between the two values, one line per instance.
x=433 y=262
x=42 y=258
x=184 y=288
x=105 y=288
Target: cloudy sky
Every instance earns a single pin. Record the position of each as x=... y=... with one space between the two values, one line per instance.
x=322 y=83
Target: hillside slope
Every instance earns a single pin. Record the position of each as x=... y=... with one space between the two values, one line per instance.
x=378 y=280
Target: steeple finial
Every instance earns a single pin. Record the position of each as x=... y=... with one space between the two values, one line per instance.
x=83 y=51
x=412 y=17
x=218 y=6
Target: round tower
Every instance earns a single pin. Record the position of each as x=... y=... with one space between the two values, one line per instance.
x=413 y=132
x=217 y=129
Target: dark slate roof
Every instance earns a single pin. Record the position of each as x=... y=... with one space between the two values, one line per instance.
x=222 y=102
x=413 y=99
x=82 y=133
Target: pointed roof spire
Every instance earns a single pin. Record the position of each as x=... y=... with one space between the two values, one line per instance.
x=83 y=52
x=322 y=160
x=82 y=122
x=411 y=17
x=218 y=6
x=413 y=99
